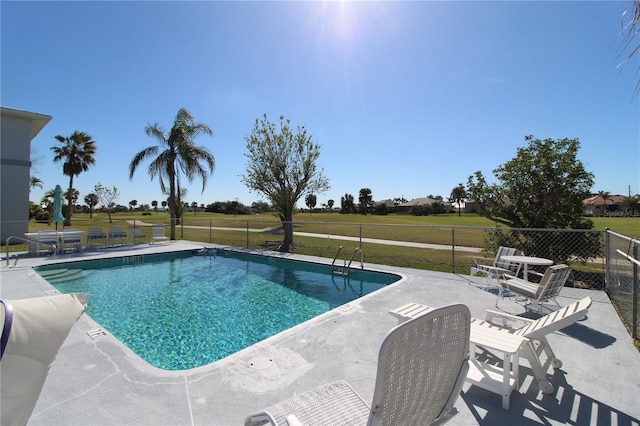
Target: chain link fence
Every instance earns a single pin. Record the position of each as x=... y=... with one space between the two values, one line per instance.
x=594 y=256
x=438 y=248
x=600 y=260
x=622 y=277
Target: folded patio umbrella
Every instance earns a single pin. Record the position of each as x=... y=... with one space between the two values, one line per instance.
x=57 y=206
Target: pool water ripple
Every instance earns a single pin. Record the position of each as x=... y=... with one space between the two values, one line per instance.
x=185 y=312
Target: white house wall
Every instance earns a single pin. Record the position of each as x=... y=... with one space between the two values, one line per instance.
x=17 y=129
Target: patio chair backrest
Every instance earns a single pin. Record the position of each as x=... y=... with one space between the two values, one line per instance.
x=504 y=264
x=552 y=282
x=158 y=231
x=96 y=232
x=421 y=367
x=556 y=320
x=48 y=237
x=116 y=230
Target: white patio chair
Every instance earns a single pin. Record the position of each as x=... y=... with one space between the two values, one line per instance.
x=117 y=233
x=422 y=365
x=536 y=294
x=71 y=238
x=499 y=267
x=157 y=234
x=136 y=233
x=96 y=234
x=535 y=331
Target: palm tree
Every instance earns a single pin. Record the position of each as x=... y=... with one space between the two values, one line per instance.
x=74 y=196
x=631 y=204
x=346 y=204
x=47 y=202
x=92 y=201
x=364 y=198
x=154 y=204
x=176 y=154
x=631 y=30
x=330 y=204
x=458 y=195
x=35 y=181
x=605 y=195
x=311 y=200
x=76 y=153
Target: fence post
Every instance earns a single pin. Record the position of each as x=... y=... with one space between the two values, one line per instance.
x=210 y=233
x=608 y=250
x=360 y=245
x=453 y=249
x=247 y=234
x=634 y=302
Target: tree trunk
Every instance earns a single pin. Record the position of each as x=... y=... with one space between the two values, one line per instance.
x=67 y=220
x=172 y=201
x=287 y=226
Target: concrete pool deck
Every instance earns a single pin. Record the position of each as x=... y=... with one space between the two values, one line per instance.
x=101 y=382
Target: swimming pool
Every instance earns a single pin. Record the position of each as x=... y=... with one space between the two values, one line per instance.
x=185 y=309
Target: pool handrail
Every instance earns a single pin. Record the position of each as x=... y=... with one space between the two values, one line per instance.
x=28 y=241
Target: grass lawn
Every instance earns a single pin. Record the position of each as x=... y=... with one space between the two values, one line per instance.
x=465 y=230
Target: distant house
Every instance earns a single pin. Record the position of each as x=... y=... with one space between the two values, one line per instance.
x=18 y=128
x=389 y=204
x=465 y=207
x=595 y=205
x=425 y=201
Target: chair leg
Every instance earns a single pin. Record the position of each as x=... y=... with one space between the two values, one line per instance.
x=551 y=356
x=530 y=354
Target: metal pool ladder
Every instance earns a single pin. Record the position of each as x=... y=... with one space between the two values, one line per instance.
x=346 y=267
x=52 y=247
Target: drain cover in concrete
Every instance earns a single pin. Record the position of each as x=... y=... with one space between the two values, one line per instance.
x=97 y=333
x=261 y=363
x=345 y=308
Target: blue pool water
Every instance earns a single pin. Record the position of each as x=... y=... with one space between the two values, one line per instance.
x=183 y=310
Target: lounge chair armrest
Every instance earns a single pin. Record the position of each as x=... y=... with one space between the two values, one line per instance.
x=479 y=262
x=506 y=319
x=292 y=420
x=260 y=418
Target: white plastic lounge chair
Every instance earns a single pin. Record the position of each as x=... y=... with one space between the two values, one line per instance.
x=535 y=331
x=421 y=368
x=96 y=234
x=157 y=234
x=499 y=267
x=536 y=294
x=33 y=332
x=117 y=233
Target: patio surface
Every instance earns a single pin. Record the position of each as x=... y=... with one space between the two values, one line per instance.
x=101 y=382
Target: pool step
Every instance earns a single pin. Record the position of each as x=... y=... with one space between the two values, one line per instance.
x=62 y=275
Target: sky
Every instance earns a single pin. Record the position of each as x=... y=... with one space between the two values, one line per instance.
x=407 y=99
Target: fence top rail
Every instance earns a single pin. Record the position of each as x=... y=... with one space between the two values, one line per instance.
x=630 y=239
x=243 y=222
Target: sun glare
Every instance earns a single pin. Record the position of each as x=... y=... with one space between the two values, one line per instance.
x=351 y=23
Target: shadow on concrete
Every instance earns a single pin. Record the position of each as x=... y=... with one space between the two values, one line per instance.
x=565 y=405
